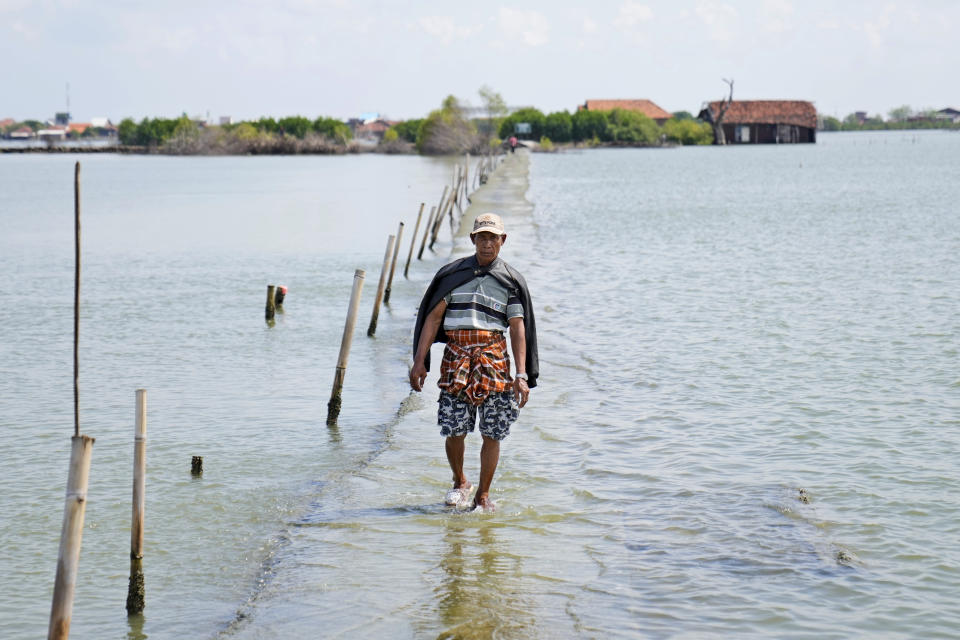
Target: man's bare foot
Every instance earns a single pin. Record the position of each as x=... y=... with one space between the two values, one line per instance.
x=483 y=501
x=458 y=496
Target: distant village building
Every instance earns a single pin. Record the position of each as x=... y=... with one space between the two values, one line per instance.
x=23 y=133
x=646 y=107
x=77 y=129
x=950 y=114
x=371 y=128
x=53 y=134
x=226 y=120
x=764 y=121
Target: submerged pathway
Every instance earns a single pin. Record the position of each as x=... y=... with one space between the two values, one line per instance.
x=378 y=554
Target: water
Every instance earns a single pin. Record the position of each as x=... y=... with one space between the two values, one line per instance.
x=719 y=328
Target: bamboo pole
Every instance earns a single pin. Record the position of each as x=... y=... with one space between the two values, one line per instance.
x=71 y=535
x=441 y=213
x=457 y=200
x=413 y=241
x=136 y=599
x=76 y=302
x=271 y=302
x=440 y=208
x=333 y=406
x=372 y=329
x=393 y=264
x=426 y=233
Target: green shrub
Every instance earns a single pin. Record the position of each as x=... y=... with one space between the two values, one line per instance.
x=558 y=126
x=588 y=125
x=686 y=131
x=632 y=126
x=546 y=144
x=333 y=129
x=296 y=126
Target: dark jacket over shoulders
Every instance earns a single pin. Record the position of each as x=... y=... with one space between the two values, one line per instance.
x=461 y=271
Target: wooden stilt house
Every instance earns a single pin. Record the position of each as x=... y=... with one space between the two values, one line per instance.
x=763 y=121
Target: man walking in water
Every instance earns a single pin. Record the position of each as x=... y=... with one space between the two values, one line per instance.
x=470 y=304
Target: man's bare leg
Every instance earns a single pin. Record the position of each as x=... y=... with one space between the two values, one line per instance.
x=489 y=457
x=455 y=446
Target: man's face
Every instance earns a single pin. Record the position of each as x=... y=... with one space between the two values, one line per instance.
x=488 y=246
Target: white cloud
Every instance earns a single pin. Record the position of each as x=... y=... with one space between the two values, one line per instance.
x=633 y=13
x=27 y=33
x=445 y=28
x=589 y=26
x=529 y=27
x=776 y=15
x=876 y=29
x=720 y=18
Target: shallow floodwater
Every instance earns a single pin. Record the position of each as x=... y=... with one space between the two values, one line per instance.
x=719 y=329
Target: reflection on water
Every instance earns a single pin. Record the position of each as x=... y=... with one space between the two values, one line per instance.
x=480 y=592
x=135 y=627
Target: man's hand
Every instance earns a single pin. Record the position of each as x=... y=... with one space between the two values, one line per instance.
x=418 y=374
x=521 y=392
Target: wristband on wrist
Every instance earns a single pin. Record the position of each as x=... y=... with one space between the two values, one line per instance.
x=521 y=376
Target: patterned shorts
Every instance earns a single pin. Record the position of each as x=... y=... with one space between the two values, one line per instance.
x=457 y=416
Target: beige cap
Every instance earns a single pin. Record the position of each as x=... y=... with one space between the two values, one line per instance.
x=490 y=222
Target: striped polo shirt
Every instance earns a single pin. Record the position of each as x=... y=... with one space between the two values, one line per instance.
x=482 y=303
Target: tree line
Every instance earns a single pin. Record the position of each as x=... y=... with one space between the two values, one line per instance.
x=293 y=134
x=447 y=130
x=903 y=117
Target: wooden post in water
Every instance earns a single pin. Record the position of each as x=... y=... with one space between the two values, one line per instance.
x=372 y=329
x=136 y=598
x=439 y=220
x=393 y=264
x=71 y=535
x=426 y=233
x=333 y=406
x=271 y=302
x=413 y=241
x=76 y=301
x=447 y=210
x=196 y=465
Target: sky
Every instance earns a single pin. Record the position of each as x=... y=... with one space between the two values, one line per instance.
x=342 y=58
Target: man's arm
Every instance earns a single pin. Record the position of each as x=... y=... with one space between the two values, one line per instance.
x=418 y=373
x=518 y=344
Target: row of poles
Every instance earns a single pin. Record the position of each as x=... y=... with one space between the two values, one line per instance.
x=71 y=533
x=456 y=195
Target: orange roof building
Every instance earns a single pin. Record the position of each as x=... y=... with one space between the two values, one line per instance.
x=646 y=107
x=764 y=121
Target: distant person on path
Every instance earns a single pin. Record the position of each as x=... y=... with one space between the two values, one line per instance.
x=470 y=304
x=513 y=144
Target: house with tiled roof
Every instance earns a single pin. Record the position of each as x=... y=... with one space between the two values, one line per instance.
x=763 y=121
x=646 y=107
x=76 y=129
x=23 y=133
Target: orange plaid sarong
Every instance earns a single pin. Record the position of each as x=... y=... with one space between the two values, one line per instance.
x=475 y=363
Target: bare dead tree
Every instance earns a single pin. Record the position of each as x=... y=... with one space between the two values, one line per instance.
x=718 y=134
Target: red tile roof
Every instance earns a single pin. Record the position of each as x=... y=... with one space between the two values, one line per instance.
x=795 y=112
x=646 y=107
